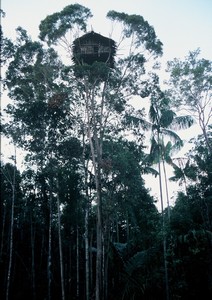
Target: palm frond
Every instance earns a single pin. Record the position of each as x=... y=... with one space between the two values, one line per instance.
x=172 y=135
x=176 y=147
x=135 y=282
x=152 y=114
x=182 y=122
x=154 y=150
x=138 y=122
x=149 y=170
x=137 y=261
x=167 y=118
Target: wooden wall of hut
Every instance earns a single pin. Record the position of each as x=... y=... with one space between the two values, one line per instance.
x=93 y=47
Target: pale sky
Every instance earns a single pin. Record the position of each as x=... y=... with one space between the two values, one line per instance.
x=181 y=25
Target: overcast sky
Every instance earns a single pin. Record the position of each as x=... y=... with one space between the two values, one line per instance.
x=181 y=25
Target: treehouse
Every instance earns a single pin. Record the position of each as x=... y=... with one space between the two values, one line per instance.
x=93 y=47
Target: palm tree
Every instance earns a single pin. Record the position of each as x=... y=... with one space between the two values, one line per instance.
x=164 y=123
x=166 y=152
x=184 y=171
x=164 y=120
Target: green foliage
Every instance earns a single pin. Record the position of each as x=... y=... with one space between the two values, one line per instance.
x=124 y=158
x=166 y=118
x=7 y=49
x=189 y=171
x=41 y=102
x=190 y=86
x=191 y=79
x=196 y=204
x=135 y=24
x=140 y=270
x=96 y=73
x=55 y=26
x=7 y=178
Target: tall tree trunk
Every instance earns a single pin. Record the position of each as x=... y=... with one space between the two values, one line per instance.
x=128 y=228
x=99 y=255
x=99 y=232
x=3 y=228
x=91 y=259
x=49 y=264
x=87 y=206
x=95 y=129
x=77 y=291
x=95 y=146
x=70 y=271
x=99 y=244
x=106 y=256
x=163 y=222
x=33 y=257
x=166 y=268
x=60 y=243
x=117 y=228
x=167 y=190
x=87 y=274
x=12 y=182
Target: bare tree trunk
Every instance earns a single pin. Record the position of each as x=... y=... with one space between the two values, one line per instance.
x=91 y=260
x=12 y=182
x=33 y=259
x=99 y=247
x=106 y=257
x=95 y=146
x=2 y=231
x=128 y=229
x=163 y=224
x=87 y=206
x=99 y=232
x=49 y=267
x=167 y=191
x=166 y=268
x=77 y=262
x=96 y=158
x=87 y=254
x=95 y=128
x=60 y=243
x=70 y=272
x=117 y=229
x=103 y=266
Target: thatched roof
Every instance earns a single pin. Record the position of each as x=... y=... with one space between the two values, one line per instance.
x=93 y=47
